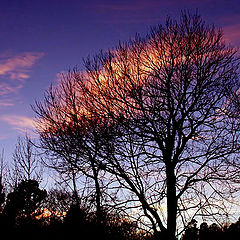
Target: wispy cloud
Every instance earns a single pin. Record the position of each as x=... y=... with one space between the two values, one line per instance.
x=14 y=70
x=4 y=136
x=6 y=103
x=7 y=88
x=17 y=66
x=18 y=122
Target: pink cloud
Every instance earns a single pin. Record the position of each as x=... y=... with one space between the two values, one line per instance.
x=19 y=76
x=4 y=136
x=232 y=33
x=14 y=70
x=6 y=103
x=18 y=65
x=6 y=88
x=18 y=122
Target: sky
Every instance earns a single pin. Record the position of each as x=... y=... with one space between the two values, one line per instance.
x=39 y=39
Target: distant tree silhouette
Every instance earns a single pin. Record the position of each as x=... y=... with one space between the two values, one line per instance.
x=26 y=165
x=191 y=232
x=2 y=166
x=233 y=231
x=72 y=141
x=213 y=231
x=58 y=202
x=23 y=201
x=113 y=227
x=76 y=216
x=203 y=232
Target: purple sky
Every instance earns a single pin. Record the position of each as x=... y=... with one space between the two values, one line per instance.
x=41 y=38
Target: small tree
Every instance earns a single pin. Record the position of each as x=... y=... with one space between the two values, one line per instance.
x=24 y=200
x=71 y=139
x=26 y=162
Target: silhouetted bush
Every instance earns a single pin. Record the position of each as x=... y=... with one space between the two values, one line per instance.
x=79 y=221
x=18 y=215
x=205 y=232
x=25 y=215
x=191 y=232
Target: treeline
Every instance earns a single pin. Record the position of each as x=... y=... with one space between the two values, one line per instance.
x=212 y=231
x=31 y=212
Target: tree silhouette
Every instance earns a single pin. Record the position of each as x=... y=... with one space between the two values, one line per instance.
x=191 y=232
x=27 y=166
x=24 y=200
x=160 y=107
x=2 y=195
x=213 y=231
x=203 y=232
x=233 y=231
x=72 y=140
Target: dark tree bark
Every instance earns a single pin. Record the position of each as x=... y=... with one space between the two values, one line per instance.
x=171 y=202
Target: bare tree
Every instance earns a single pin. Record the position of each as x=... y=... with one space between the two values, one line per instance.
x=70 y=137
x=26 y=162
x=161 y=105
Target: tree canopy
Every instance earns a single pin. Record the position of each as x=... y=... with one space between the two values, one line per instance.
x=155 y=114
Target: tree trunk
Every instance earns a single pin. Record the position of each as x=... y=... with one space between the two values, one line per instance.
x=75 y=191
x=98 y=193
x=171 y=203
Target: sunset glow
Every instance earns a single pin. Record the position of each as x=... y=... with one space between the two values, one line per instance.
x=120 y=119
x=32 y=58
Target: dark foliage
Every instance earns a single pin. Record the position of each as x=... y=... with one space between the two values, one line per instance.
x=25 y=199
x=22 y=216
x=205 y=232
